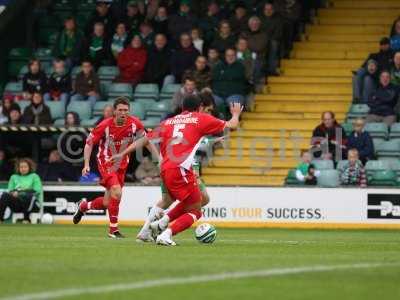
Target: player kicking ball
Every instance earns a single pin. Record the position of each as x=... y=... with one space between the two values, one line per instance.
x=113 y=135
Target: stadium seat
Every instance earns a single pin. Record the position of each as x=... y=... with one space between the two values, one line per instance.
x=147 y=91
x=82 y=108
x=59 y=122
x=151 y=122
x=137 y=109
x=168 y=91
x=104 y=87
x=99 y=106
x=86 y=6
x=377 y=130
x=328 y=178
x=120 y=89
x=57 y=109
x=75 y=71
x=22 y=72
x=341 y=163
x=13 y=88
x=108 y=73
x=17 y=58
x=159 y=108
x=395 y=131
x=388 y=149
x=44 y=55
x=323 y=164
x=291 y=178
x=357 y=111
x=383 y=178
x=394 y=164
x=63 y=5
x=147 y=103
x=348 y=128
x=48 y=36
x=23 y=104
x=373 y=166
x=89 y=122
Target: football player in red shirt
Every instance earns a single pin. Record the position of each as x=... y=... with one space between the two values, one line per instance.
x=112 y=135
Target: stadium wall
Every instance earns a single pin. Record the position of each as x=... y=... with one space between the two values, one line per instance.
x=250 y=207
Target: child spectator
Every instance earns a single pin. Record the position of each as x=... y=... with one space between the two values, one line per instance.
x=224 y=38
x=160 y=21
x=353 y=172
x=200 y=73
x=60 y=85
x=72 y=119
x=34 y=81
x=87 y=84
x=305 y=171
x=361 y=140
x=37 y=113
x=5 y=109
x=198 y=42
x=213 y=57
x=119 y=40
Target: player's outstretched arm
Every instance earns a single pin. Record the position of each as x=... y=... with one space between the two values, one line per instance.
x=139 y=143
x=236 y=110
x=87 y=152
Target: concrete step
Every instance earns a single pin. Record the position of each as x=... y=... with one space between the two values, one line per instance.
x=301 y=79
x=293 y=133
x=239 y=180
x=326 y=72
x=243 y=171
x=325 y=46
x=301 y=98
x=352 y=20
x=358 y=12
x=270 y=143
x=287 y=116
x=259 y=163
x=323 y=54
x=351 y=30
x=323 y=37
x=373 y=4
x=274 y=125
x=274 y=153
x=311 y=88
x=350 y=64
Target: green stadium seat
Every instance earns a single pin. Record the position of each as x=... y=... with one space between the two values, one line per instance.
x=23 y=104
x=75 y=71
x=20 y=54
x=147 y=91
x=159 y=108
x=348 y=127
x=62 y=15
x=89 y=122
x=341 y=164
x=63 y=5
x=168 y=91
x=13 y=88
x=57 y=109
x=137 y=109
x=99 y=106
x=388 y=149
x=22 y=72
x=88 y=6
x=59 y=122
x=383 y=178
x=108 y=73
x=151 y=122
x=120 y=89
x=48 y=36
x=328 y=178
x=82 y=108
x=323 y=164
x=357 y=111
x=147 y=103
x=49 y=22
x=395 y=131
x=373 y=166
x=377 y=130
x=44 y=55
x=291 y=178
x=394 y=164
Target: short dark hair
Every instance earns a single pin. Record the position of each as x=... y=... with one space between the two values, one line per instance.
x=121 y=100
x=191 y=103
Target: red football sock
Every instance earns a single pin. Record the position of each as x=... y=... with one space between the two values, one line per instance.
x=97 y=204
x=185 y=221
x=113 y=211
x=176 y=212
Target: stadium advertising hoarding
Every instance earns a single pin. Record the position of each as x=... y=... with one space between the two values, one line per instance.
x=251 y=207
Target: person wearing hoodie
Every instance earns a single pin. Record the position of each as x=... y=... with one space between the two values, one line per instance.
x=60 y=85
x=118 y=42
x=395 y=70
x=37 y=113
x=132 y=62
x=34 y=81
x=382 y=102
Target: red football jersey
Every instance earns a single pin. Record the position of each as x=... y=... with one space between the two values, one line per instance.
x=113 y=139
x=181 y=135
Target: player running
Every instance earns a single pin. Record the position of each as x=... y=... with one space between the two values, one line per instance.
x=113 y=135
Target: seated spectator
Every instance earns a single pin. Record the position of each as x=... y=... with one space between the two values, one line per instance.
x=5 y=108
x=383 y=101
x=383 y=58
x=119 y=40
x=188 y=89
x=72 y=119
x=395 y=70
x=34 y=81
x=59 y=85
x=14 y=115
x=147 y=34
x=147 y=172
x=229 y=82
x=158 y=66
x=181 y=22
x=258 y=43
x=160 y=21
x=395 y=36
x=87 y=84
x=198 y=42
x=329 y=138
x=182 y=59
x=5 y=166
x=209 y=23
x=68 y=43
x=151 y=8
x=37 y=113
x=213 y=57
x=97 y=47
x=353 y=172
x=247 y=58
x=239 y=19
x=273 y=26
x=305 y=171
x=108 y=112
x=361 y=140
x=200 y=73
x=55 y=169
x=132 y=62
x=364 y=83
x=24 y=190
x=133 y=17
x=104 y=15
x=224 y=39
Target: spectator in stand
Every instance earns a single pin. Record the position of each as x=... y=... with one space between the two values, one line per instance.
x=273 y=26
x=198 y=42
x=119 y=39
x=147 y=172
x=247 y=58
x=384 y=59
x=37 y=113
x=60 y=85
x=14 y=115
x=209 y=23
x=24 y=190
x=87 y=84
x=55 y=169
x=147 y=34
x=103 y=15
x=305 y=171
x=5 y=109
x=395 y=36
x=72 y=119
x=395 y=70
x=224 y=38
x=132 y=62
x=258 y=43
x=158 y=66
x=68 y=43
x=97 y=47
x=160 y=21
x=133 y=17
x=361 y=140
x=229 y=82
x=151 y=8
x=5 y=166
x=181 y=22
x=329 y=138
x=34 y=81
x=200 y=73
x=188 y=89
x=239 y=20
x=213 y=57
x=108 y=112
x=353 y=171
x=383 y=101
x=182 y=59
x=363 y=88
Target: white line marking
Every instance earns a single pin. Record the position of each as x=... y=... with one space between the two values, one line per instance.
x=191 y=280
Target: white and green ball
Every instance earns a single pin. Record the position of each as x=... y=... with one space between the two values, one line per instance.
x=206 y=233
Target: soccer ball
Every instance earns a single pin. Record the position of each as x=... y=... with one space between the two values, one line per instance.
x=206 y=233
x=47 y=219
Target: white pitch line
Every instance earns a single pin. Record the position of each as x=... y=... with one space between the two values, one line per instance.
x=191 y=280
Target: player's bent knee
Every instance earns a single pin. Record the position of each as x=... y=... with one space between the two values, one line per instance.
x=205 y=199
x=116 y=192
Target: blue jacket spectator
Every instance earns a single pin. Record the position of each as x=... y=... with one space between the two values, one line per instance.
x=361 y=140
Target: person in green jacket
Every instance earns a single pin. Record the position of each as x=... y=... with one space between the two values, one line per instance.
x=24 y=190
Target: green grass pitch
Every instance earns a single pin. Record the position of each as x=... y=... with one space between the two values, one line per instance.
x=80 y=260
